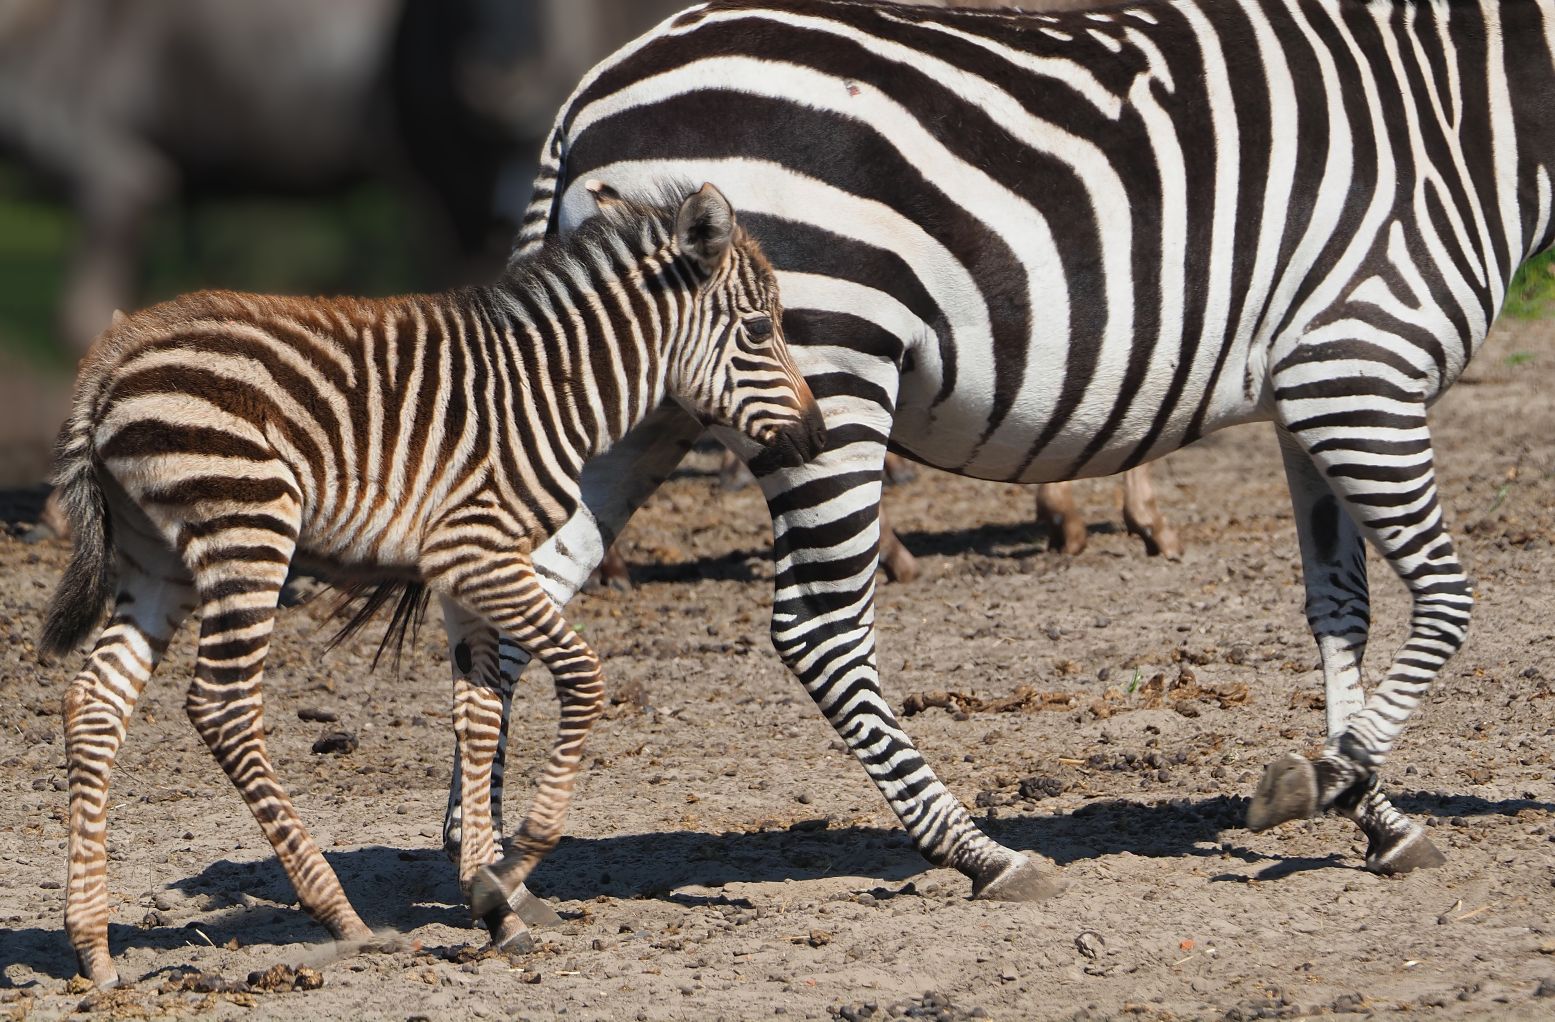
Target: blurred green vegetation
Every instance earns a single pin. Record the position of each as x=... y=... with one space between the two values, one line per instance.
x=1532 y=293
x=34 y=235
x=365 y=240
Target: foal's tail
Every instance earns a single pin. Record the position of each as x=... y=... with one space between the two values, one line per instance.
x=88 y=581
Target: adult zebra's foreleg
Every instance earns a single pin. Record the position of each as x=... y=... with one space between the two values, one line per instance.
x=1367 y=437
x=825 y=524
x=1338 y=607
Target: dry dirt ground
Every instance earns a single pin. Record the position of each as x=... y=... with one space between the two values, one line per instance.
x=726 y=859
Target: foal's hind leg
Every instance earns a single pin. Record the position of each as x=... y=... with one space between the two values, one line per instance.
x=238 y=593
x=154 y=597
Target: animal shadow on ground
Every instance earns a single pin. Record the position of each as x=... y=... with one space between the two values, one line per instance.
x=1009 y=539
x=735 y=566
x=401 y=890
x=253 y=902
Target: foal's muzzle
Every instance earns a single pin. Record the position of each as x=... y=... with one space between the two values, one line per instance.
x=794 y=445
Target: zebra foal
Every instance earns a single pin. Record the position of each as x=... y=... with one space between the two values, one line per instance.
x=424 y=443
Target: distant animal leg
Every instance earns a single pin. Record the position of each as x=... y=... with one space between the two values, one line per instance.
x=896 y=560
x=1144 y=519
x=1056 y=509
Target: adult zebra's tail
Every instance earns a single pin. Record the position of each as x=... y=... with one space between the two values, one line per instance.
x=88 y=580
x=539 y=215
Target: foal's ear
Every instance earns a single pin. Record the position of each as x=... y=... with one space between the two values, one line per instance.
x=704 y=228
x=605 y=197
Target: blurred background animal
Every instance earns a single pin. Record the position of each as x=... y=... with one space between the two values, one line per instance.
x=124 y=108
x=356 y=146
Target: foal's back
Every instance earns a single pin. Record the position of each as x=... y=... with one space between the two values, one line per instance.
x=346 y=416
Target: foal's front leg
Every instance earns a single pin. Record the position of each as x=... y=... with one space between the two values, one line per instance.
x=614 y=485
x=510 y=596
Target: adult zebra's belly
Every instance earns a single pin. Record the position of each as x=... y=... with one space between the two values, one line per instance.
x=989 y=428
x=1016 y=441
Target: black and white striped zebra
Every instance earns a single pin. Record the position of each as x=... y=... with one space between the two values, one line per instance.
x=1034 y=247
x=429 y=442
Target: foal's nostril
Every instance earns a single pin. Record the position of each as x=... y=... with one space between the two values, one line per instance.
x=814 y=426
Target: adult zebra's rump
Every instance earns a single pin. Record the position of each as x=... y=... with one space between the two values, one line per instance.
x=430 y=440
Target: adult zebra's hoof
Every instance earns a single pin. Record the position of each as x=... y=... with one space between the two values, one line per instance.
x=1410 y=851
x=535 y=911
x=1287 y=791
x=1023 y=880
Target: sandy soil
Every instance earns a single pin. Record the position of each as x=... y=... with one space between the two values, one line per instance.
x=728 y=860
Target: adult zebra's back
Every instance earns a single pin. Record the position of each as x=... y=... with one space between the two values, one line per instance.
x=1033 y=247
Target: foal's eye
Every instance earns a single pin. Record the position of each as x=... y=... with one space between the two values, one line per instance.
x=760 y=327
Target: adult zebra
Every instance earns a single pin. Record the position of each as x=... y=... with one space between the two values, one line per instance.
x=1034 y=247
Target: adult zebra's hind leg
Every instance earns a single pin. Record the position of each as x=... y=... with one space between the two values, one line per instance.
x=825 y=524
x=1367 y=437
x=1338 y=608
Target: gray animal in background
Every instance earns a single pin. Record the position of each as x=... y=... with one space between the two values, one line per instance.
x=125 y=107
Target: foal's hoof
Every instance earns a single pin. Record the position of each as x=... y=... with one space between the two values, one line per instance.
x=1410 y=851
x=1287 y=791
x=1023 y=880
x=108 y=980
x=487 y=893
x=512 y=937
x=386 y=943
